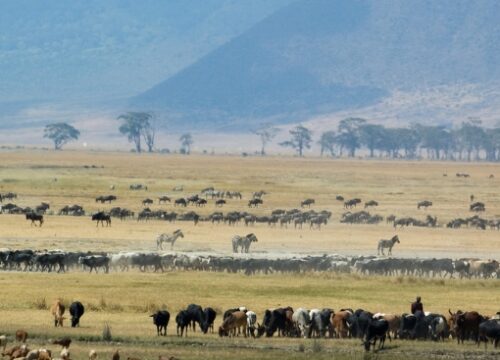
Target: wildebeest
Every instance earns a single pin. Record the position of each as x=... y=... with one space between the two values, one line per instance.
x=34 y=217
x=163 y=199
x=161 y=319
x=387 y=244
x=255 y=202
x=349 y=204
x=168 y=238
x=371 y=203
x=477 y=206
x=424 y=204
x=307 y=202
x=138 y=187
x=180 y=202
x=147 y=202
x=95 y=262
x=102 y=217
x=244 y=242
x=220 y=202
x=76 y=310
x=106 y=198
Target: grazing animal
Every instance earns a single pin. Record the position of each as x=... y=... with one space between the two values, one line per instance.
x=196 y=315
x=163 y=199
x=116 y=355
x=302 y=321
x=34 y=217
x=244 y=242
x=237 y=319
x=210 y=316
x=147 y=202
x=371 y=203
x=465 y=325
x=57 y=310
x=21 y=336
x=424 y=204
x=307 y=202
x=95 y=262
x=183 y=319
x=161 y=319
x=387 y=244
x=255 y=202
x=489 y=330
x=251 y=323
x=168 y=238
x=102 y=217
x=376 y=330
x=220 y=202
x=76 y=310
x=92 y=355
x=180 y=202
x=65 y=342
x=339 y=323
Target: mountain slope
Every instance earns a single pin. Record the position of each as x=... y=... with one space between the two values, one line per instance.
x=319 y=56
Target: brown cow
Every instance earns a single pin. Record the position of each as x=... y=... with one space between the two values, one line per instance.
x=339 y=321
x=21 y=335
x=57 y=310
x=234 y=321
x=465 y=324
x=394 y=323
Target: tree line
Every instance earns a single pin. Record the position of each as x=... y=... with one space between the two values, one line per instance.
x=470 y=141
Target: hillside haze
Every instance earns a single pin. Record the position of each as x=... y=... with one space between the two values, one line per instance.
x=320 y=56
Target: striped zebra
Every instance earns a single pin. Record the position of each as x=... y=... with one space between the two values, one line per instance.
x=387 y=244
x=168 y=238
x=243 y=242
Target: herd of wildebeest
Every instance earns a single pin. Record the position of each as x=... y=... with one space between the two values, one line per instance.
x=60 y=261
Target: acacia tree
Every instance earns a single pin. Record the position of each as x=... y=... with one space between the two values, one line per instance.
x=349 y=134
x=301 y=139
x=266 y=134
x=186 y=142
x=60 y=134
x=137 y=125
x=327 y=142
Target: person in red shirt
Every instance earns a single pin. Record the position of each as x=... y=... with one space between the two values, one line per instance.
x=417 y=306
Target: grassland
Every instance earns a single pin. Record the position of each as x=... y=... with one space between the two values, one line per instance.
x=124 y=300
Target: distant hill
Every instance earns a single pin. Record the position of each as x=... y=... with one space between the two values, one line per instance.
x=52 y=51
x=320 y=56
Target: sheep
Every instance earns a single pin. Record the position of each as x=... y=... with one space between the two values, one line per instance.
x=92 y=355
x=3 y=342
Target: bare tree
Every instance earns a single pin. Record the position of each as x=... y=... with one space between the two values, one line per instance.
x=186 y=142
x=266 y=133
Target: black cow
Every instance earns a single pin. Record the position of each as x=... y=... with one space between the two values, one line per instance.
x=161 y=319
x=358 y=323
x=376 y=329
x=183 y=319
x=210 y=316
x=197 y=316
x=489 y=330
x=408 y=322
x=76 y=310
x=277 y=320
x=320 y=323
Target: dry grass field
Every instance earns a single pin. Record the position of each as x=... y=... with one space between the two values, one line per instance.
x=124 y=300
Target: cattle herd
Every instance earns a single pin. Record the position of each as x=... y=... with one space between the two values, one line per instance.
x=62 y=261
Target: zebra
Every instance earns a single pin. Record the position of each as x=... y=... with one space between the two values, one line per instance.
x=168 y=238
x=244 y=242
x=383 y=244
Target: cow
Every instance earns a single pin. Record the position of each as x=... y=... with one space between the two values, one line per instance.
x=465 y=324
x=320 y=322
x=489 y=330
x=376 y=330
x=161 y=319
x=393 y=320
x=210 y=316
x=358 y=322
x=76 y=310
x=302 y=321
x=339 y=322
x=183 y=319
x=251 y=323
x=197 y=316
x=57 y=310
x=237 y=319
x=439 y=328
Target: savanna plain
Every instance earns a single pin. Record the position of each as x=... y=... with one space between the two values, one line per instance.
x=124 y=300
